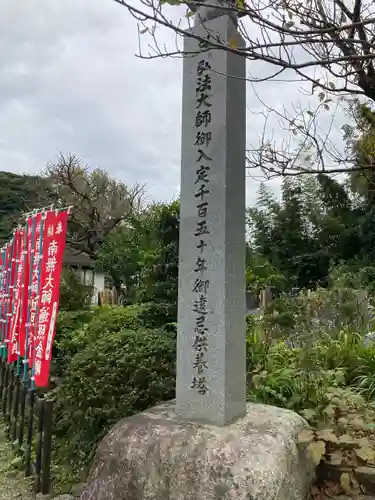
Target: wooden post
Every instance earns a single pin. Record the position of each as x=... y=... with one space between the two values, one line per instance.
x=39 y=446
x=8 y=414
x=47 y=447
x=16 y=403
x=24 y=391
x=29 y=437
x=2 y=379
x=5 y=387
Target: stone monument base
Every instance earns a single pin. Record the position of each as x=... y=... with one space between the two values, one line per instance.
x=156 y=455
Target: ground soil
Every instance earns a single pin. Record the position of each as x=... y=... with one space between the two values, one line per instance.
x=332 y=492
x=13 y=484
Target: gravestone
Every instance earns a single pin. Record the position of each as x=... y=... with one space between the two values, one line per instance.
x=211 y=304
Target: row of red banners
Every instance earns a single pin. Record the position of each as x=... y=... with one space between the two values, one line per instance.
x=30 y=271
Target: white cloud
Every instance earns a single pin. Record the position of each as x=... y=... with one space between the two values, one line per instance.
x=70 y=81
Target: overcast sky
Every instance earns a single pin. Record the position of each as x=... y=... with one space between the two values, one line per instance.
x=70 y=82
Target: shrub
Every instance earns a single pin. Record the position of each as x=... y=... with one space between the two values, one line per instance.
x=113 y=319
x=365 y=372
x=296 y=377
x=123 y=372
x=74 y=295
x=305 y=317
x=341 y=441
x=158 y=313
x=76 y=329
x=65 y=344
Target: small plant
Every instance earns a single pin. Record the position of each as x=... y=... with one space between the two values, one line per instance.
x=341 y=441
x=305 y=317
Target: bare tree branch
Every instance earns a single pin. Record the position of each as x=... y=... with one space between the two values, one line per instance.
x=286 y=33
x=328 y=43
x=100 y=202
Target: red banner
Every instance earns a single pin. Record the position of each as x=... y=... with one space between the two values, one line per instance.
x=16 y=302
x=14 y=248
x=54 y=235
x=28 y=247
x=35 y=245
x=9 y=252
x=3 y=291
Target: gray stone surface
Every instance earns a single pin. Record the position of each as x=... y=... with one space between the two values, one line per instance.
x=221 y=361
x=369 y=339
x=156 y=455
x=212 y=9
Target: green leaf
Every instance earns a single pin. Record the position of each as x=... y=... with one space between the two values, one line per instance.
x=332 y=85
x=345 y=482
x=308 y=414
x=321 y=96
x=327 y=435
x=310 y=113
x=329 y=411
x=305 y=436
x=336 y=458
x=366 y=454
x=316 y=451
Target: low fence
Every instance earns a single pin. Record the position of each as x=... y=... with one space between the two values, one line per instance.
x=28 y=425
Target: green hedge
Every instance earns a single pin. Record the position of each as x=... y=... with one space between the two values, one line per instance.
x=121 y=373
x=77 y=329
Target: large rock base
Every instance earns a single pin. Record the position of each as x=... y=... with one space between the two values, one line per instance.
x=156 y=455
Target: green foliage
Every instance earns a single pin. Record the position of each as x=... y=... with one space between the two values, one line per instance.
x=260 y=273
x=158 y=278
x=74 y=295
x=18 y=194
x=365 y=373
x=342 y=436
x=126 y=250
x=123 y=372
x=331 y=383
x=322 y=312
x=318 y=223
x=110 y=366
x=354 y=275
x=282 y=233
x=75 y=330
x=296 y=377
x=142 y=255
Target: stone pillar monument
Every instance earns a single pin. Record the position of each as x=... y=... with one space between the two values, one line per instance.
x=211 y=304
x=208 y=444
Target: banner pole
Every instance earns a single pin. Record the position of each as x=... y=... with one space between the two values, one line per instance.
x=2 y=291
x=37 y=299
x=8 y=304
x=15 y=251
x=26 y=360
x=5 y=298
x=22 y=296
